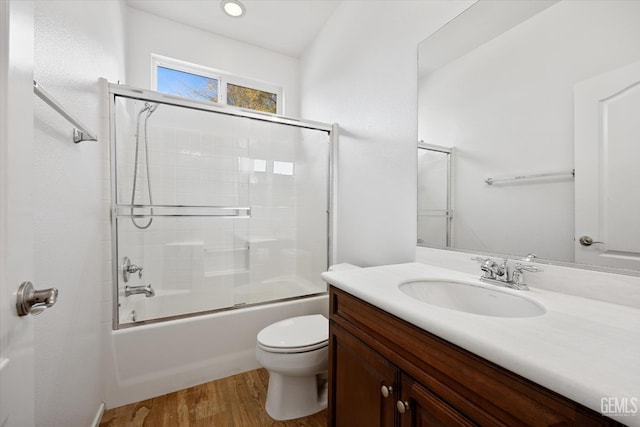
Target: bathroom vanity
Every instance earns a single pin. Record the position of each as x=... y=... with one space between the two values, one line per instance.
x=385 y=370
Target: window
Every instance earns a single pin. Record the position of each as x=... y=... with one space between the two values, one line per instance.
x=197 y=82
x=254 y=99
x=187 y=85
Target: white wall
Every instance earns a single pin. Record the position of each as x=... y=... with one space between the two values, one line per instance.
x=75 y=44
x=361 y=72
x=507 y=107
x=149 y=34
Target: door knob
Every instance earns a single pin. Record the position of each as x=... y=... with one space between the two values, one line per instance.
x=587 y=241
x=32 y=301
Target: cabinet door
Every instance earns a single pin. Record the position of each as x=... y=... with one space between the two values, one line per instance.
x=421 y=408
x=357 y=377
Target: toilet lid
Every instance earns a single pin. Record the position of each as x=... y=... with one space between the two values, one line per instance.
x=296 y=333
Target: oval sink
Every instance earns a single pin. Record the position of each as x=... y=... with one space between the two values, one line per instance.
x=471 y=299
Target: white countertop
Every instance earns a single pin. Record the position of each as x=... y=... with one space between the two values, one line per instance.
x=581 y=348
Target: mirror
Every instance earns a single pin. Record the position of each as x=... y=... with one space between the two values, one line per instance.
x=535 y=101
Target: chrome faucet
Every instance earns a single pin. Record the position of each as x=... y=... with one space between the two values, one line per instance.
x=501 y=275
x=134 y=290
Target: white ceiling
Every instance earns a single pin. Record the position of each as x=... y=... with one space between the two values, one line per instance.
x=284 y=26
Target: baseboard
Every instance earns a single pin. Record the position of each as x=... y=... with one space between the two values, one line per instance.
x=96 y=420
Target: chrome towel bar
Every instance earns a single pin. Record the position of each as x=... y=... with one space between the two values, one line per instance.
x=80 y=131
x=140 y=211
x=491 y=181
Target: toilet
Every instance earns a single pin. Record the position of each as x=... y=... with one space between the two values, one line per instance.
x=295 y=353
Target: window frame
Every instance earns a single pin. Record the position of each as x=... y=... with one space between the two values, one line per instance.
x=223 y=78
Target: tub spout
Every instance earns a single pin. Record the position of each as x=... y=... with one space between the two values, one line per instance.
x=134 y=290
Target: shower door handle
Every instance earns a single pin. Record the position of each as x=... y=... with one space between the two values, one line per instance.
x=32 y=301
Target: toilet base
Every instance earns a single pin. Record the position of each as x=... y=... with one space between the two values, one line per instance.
x=290 y=397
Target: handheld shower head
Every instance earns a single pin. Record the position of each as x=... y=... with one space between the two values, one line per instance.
x=150 y=108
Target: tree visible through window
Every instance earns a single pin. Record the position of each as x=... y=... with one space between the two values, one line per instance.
x=203 y=84
x=254 y=99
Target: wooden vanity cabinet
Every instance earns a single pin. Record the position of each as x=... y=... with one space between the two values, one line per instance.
x=359 y=373
x=385 y=372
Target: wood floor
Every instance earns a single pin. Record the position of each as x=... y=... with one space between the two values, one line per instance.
x=236 y=401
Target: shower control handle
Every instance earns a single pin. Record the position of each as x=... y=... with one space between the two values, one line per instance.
x=128 y=269
x=32 y=301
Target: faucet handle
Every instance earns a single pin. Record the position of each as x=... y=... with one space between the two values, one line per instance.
x=529 y=258
x=527 y=267
x=129 y=268
x=517 y=277
x=139 y=269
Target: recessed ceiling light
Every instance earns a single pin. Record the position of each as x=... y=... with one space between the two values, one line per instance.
x=233 y=8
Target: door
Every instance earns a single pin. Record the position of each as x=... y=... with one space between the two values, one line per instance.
x=362 y=382
x=16 y=241
x=607 y=202
x=421 y=408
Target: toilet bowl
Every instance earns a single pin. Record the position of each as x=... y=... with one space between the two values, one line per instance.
x=295 y=352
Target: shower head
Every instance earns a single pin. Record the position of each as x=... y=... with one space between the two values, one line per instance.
x=150 y=108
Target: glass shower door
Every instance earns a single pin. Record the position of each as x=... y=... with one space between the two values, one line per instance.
x=434 y=196
x=214 y=210
x=182 y=210
x=288 y=192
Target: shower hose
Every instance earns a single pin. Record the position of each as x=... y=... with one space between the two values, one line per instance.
x=149 y=109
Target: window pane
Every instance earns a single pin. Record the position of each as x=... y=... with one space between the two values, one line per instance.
x=282 y=168
x=187 y=85
x=254 y=99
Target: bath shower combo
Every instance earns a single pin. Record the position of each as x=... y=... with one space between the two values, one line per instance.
x=236 y=216
x=241 y=212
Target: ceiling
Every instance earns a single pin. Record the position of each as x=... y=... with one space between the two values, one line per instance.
x=284 y=26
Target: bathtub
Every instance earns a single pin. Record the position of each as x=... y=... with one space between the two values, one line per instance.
x=150 y=360
x=169 y=303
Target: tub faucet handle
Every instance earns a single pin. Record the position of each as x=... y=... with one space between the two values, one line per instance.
x=135 y=268
x=128 y=268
